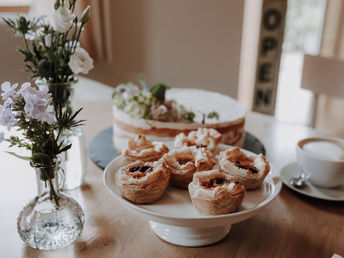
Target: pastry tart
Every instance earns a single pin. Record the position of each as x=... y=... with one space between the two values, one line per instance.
x=203 y=137
x=214 y=192
x=142 y=182
x=141 y=148
x=184 y=162
x=250 y=170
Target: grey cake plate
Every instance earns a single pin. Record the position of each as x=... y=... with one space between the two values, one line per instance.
x=102 y=152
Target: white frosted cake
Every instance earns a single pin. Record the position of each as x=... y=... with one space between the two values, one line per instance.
x=209 y=110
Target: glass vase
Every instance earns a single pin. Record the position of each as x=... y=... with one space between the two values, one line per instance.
x=74 y=160
x=52 y=219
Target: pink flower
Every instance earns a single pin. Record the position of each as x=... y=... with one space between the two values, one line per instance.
x=8 y=90
x=49 y=115
x=34 y=106
x=23 y=88
x=43 y=92
x=37 y=104
x=7 y=117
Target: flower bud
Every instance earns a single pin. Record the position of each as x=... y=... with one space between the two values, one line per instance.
x=85 y=15
x=43 y=66
x=57 y=4
x=72 y=2
x=23 y=24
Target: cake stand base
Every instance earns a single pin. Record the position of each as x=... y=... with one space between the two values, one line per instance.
x=187 y=236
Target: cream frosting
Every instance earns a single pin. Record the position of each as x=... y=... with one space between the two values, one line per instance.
x=231 y=113
x=195 y=100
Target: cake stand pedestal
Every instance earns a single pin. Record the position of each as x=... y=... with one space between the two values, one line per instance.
x=189 y=236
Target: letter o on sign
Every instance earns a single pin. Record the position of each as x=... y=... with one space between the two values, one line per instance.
x=272 y=19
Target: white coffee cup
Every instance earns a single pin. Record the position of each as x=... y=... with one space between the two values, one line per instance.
x=323 y=160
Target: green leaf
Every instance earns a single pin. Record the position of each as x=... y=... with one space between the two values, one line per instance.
x=41 y=158
x=19 y=156
x=190 y=116
x=213 y=115
x=142 y=81
x=158 y=91
x=65 y=148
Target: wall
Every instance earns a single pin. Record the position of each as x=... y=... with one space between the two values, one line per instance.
x=11 y=61
x=194 y=43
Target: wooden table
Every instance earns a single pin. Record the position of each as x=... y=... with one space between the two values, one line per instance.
x=291 y=226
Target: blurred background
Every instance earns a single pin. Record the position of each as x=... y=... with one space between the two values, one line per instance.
x=215 y=45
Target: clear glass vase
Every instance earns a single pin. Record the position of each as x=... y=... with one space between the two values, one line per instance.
x=52 y=219
x=74 y=160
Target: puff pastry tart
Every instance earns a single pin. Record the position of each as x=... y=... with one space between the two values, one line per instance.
x=142 y=182
x=203 y=137
x=141 y=148
x=249 y=170
x=214 y=192
x=184 y=162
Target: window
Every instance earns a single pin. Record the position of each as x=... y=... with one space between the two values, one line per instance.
x=303 y=31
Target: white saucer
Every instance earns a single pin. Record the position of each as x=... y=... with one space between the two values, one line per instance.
x=328 y=194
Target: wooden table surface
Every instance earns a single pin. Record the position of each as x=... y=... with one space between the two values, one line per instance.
x=293 y=225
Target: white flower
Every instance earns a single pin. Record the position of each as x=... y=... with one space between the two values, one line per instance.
x=40 y=32
x=47 y=40
x=7 y=117
x=80 y=61
x=62 y=19
x=2 y=136
x=8 y=90
x=128 y=90
x=30 y=35
x=134 y=109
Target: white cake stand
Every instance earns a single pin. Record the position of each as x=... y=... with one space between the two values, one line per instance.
x=175 y=220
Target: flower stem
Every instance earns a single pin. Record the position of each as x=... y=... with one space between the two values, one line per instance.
x=52 y=190
x=53 y=193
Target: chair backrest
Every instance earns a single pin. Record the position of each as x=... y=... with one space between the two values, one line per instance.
x=323 y=75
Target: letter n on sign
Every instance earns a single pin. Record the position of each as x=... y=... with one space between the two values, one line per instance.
x=269 y=54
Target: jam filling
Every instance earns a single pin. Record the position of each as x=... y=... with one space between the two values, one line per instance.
x=246 y=165
x=215 y=182
x=189 y=144
x=140 y=171
x=183 y=161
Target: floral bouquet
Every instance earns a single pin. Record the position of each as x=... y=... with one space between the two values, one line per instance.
x=151 y=103
x=31 y=110
x=52 y=219
x=53 y=56
x=52 y=53
x=52 y=50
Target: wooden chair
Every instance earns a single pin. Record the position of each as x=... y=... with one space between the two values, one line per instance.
x=322 y=75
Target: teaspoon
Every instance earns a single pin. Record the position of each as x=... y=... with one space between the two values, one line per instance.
x=299 y=181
